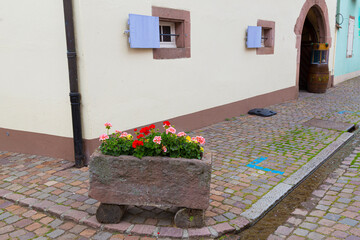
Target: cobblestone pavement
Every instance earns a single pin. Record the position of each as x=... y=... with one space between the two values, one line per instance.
x=335 y=211
x=52 y=186
x=17 y=222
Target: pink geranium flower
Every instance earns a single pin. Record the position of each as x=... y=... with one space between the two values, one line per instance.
x=103 y=137
x=157 y=139
x=181 y=134
x=164 y=148
x=171 y=130
x=124 y=134
x=108 y=125
x=200 y=139
x=117 y=131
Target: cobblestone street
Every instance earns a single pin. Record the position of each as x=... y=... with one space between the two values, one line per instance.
x=336 y=214
x=45 y=198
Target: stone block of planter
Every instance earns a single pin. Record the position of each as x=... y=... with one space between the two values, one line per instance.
x=150 y=181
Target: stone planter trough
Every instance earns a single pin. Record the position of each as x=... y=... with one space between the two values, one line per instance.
x=151 y=181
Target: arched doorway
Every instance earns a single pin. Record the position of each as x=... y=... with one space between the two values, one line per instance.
x=312 y=26
x=309 y=36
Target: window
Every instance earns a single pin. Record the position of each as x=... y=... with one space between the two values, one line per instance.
x=167 y=35
x=350 y=41
x=176 y=23
x=267 y=37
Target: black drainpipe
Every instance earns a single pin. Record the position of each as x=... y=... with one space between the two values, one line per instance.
x=73 y=78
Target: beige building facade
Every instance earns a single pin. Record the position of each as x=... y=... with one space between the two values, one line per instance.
x=209 y=74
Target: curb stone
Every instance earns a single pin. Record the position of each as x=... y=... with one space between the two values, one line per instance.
x=275 y=195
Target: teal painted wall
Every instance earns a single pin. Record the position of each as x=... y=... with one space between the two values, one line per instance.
x=344 y=65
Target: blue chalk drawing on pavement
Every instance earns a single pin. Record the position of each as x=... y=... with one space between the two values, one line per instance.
x=342 y=112
x=258 y=161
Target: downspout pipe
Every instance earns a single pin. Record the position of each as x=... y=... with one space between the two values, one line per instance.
x=73 y=78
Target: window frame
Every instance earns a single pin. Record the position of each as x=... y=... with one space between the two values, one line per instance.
x=172 y=43
x=350 y=51
x=181 y=19
x=268 y=31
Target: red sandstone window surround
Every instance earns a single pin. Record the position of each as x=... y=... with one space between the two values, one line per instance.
x=181 y=20
x=268 y=37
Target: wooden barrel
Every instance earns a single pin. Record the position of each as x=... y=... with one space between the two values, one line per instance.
x=318 y=78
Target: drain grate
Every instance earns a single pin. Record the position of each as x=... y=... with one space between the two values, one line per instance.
x=339 y=126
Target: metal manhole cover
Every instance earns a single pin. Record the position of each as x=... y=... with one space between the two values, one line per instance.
x=340 y=126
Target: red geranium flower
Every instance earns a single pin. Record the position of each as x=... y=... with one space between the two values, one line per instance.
x=152 y=126
x=145 y=130
x=140 y=136
x=135 y=129
x=137 y=143
x=166 y=123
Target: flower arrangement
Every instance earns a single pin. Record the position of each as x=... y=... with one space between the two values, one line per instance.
x=151 y=142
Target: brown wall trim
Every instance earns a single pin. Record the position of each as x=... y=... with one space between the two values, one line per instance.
x=217 y=114
x=62 y=147
x=36 y=143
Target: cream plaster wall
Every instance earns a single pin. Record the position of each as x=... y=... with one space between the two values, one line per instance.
x=34 y=78
x=129 y=88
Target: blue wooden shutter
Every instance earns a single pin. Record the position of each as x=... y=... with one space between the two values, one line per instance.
x=144 y=31
x=253 y=37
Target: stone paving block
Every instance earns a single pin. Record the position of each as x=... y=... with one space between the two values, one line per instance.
x=213 y=232
x=23 y=223
x=6 y=204
x=55 y=234
x=5 y=215
x=75 y=215
x=300 y=212
x=352 y=238
x=331 y=216
x=229 y=215
x=14 y=197
x=102 y=236
x=6 y=229
x=349 y=221
x=120 y=227
x=282 y=230
x=55 y=223
x=4 y=192
x=315 y=236
x=92 y=222
x=301 y=232
x=12 y=219
x=220 y=218
x=43 y=205
x=17 y=233
x=28 y=235
x=67 y=236
x=223 y=228
x=344 y=200
x=141 y=229
x=77 y=229
x=58 y=210
x=199 y=232
x=170 y=232
x=310 y=226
